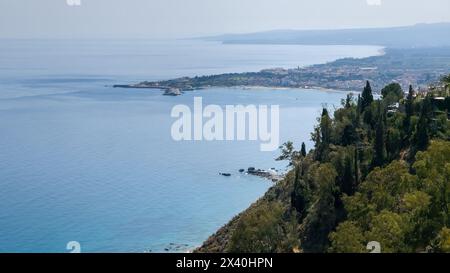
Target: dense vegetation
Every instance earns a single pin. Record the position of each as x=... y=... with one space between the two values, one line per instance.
x=379 y=171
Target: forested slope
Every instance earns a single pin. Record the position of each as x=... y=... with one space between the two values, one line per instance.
x=379 y=171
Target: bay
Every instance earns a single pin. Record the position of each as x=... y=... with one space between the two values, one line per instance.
x=82 y=161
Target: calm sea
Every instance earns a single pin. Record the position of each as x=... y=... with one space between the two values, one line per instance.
x=81 y=161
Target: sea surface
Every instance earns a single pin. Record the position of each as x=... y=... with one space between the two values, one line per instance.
x=82 y=161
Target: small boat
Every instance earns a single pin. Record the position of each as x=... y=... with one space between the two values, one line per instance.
x=225 y=174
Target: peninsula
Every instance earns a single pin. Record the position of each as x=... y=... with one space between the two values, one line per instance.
x=409 y=66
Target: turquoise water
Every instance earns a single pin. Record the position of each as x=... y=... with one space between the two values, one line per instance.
x=81 y=161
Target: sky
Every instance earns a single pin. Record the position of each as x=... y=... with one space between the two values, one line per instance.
x=159 y=19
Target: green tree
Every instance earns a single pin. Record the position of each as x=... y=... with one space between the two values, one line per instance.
x=359 y=209
x=409 y=111
x=264 y=230
x=322 y=135
x=288 y=153
x=422 y=135
x=321 y=218
x=348 y=238
x=359 y=108
x=348 y=185
x=370 y=117
x=301 y=195
x=379 y=144
x=415 y=209
x=325 y=127
x=348 y=101
x=366 y=96
x=433 y=169
x=384 y=187
x=356 y=168
x=388 y=228
x=444 y=240
x=303 y=149
x=392 y=93
x=349 y=134
x=393 y=143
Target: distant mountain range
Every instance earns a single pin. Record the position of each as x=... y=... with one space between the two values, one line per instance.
x=420 y=35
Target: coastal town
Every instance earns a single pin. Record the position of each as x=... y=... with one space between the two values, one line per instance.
x=416 y=67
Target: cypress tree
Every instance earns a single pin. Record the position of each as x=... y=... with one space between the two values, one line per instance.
x=349 y=134
x=422 y=137
x=409 y=111
x=303 y=150
x=422 y=131
x=324 y=131
x=325 y=127
x=366 y=96
x=356 y=167
x=300 y=195
x=379 y=145
x=357 y=120
x=409 y=102
x=379 y=148
x=348 y=185
x=359 y=105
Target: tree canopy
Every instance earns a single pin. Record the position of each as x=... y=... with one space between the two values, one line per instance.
x=377 y=172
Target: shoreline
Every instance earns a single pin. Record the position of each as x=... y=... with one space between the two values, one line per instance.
x=260 y=87
x=218 y=240
x=345 y=74
x=167 y=88
x=244 y=87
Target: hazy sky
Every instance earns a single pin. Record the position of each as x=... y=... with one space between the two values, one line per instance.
x=185 y=18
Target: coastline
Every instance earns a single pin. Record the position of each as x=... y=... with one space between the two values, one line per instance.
x=221 y=236
x=218 y=241
x=357 y=71
x=254 y=88
x=411 y=66
x=318 y=88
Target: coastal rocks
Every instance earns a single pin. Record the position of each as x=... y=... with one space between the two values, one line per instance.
x=172 y=248
x=172 y=92
x=271 y=174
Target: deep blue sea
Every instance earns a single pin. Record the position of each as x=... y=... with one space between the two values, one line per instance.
x=82 y=161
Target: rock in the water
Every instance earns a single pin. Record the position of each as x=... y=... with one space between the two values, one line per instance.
x=270 y=174
x=172 y=92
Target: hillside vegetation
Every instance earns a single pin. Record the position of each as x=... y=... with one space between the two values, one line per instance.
x=379 y=171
